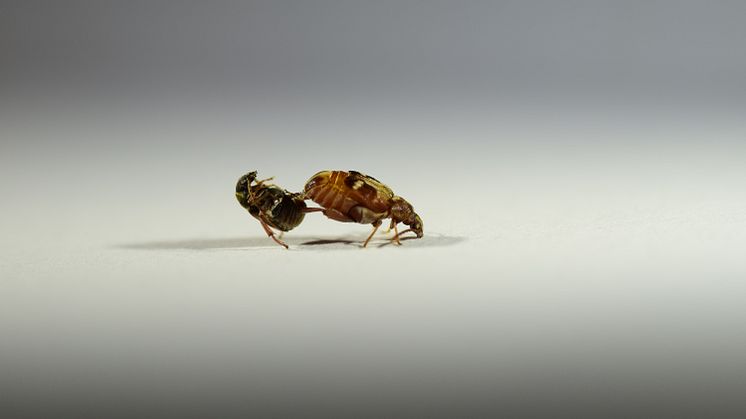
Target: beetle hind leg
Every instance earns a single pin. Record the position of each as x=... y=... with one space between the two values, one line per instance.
x=372 y=233
x=306 y=210
x=335 y=215
x=271 y=234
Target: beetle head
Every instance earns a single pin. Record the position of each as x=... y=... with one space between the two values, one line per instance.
x=416 y=225
x=402 y=211
x=243 y=188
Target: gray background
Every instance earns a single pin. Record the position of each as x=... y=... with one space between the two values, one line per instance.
x=579 y=166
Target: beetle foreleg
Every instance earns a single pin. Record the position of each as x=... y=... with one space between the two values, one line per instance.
x=395 y=239
x=402 y=233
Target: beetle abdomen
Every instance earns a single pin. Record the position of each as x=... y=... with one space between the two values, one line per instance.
x=328 y=189
x=282 y=210
x=288 y=213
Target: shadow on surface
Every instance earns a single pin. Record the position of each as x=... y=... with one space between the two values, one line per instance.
x=297 y=242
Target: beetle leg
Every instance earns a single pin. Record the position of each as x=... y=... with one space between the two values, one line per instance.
x=392 y=225
x=395 y=239
x=312 y=209
x=259 y=182
x=271 y=234
x=375 y=228
x=337 y=216
x=400 y=234
x=363 y=215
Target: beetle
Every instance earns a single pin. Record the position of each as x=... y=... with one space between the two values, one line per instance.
x=353 y=197
x=273 y=206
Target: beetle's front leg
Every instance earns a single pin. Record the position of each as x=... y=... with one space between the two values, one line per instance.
x=395 y=239
x=402 y=233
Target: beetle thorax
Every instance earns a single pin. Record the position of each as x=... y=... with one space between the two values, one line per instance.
x=266 y=197
x=401 y=210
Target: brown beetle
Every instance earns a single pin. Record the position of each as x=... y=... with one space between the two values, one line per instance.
x=357 y=198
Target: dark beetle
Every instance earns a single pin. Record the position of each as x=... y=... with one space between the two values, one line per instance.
x=273 y=206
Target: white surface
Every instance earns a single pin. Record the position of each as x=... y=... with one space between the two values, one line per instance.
x=549 y=271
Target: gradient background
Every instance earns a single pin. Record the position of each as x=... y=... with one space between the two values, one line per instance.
x=579 y=167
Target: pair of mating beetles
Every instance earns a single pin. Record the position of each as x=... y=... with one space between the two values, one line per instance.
x=350 y=197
